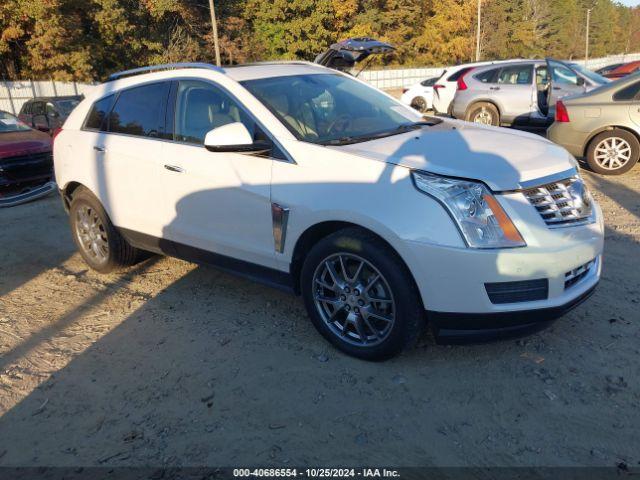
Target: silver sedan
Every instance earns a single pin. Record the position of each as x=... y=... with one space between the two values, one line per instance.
x=602 y=125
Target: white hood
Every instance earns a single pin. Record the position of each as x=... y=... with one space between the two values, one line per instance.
x=501 y=158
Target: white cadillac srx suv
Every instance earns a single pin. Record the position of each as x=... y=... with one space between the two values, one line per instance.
x=311 y=180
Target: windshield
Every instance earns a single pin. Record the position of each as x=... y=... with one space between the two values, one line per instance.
x=66 y=106
x=9 y=123
x=593 y=76
x=332 y=109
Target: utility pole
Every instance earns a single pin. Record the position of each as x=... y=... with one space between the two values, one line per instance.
x=586 y=40
x=214 y=26
x=478 y=31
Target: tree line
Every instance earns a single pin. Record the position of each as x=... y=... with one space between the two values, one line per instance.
x=88 y=39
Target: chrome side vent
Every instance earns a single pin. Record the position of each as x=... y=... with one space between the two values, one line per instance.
x=564 y=203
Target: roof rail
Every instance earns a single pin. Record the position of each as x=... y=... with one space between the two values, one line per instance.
x=275 y=62
x=159 y=68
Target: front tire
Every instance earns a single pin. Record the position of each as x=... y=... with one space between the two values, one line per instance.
x=613 y=152
x=360 y=296
x=483 y=113
x=100 y=244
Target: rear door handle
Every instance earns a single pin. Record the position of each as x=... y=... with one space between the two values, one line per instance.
x=99 y=148
x=174 y=168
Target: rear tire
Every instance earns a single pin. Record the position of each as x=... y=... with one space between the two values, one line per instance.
x=360 y=296
x=102 y=247
x=483 y=113
x=420 y=104
x=613 y=152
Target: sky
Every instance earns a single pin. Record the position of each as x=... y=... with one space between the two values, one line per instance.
x=630 y=3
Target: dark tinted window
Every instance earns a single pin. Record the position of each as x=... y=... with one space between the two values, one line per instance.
x=98 y=113
x=429 y=82
x=27 y=108
x=489 y=76
x=515 y=75
x=456 y=75
x=140 y=111
x=201 y=107
x=630 y=92
x=37 y=108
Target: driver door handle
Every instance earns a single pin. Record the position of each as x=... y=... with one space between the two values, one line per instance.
x=494 y=88
x=99 y=148
x=174 y=168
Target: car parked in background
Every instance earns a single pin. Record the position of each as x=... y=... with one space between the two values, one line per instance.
x=522 y=92
x=445 y=87
x=602 y=125
x=420 y=95
x=311 y=180
x=623 y=70
x=48 y=113
x=25 y=157
x=604 y=70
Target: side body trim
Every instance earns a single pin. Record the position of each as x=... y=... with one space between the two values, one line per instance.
x=258 y=273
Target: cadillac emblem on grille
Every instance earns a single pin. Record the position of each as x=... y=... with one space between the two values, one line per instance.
x=562 y=203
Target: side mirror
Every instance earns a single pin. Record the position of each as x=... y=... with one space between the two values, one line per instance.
x=233 y=137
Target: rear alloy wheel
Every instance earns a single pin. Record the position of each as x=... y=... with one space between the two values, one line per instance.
x=484 y=114
x=102 y=247
x=420 y=104
x=613 y=152
x=360 y=296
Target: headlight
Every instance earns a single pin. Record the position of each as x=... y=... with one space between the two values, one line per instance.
x=480 y=218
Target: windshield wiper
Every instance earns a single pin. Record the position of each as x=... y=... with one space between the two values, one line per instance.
x=405 y=127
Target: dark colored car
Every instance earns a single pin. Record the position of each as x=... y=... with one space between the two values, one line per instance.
x=346 y=54
x=609 y=68
x=623 y=70
x=48 y=113
x=25 y=157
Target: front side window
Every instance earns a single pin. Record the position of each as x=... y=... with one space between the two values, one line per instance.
x=515 y=75
x=37 y=108
x=562 y=75
x=140 y=111
x=332 y=108
x=201 y=107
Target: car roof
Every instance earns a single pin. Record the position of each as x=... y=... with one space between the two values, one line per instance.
x=255 y=71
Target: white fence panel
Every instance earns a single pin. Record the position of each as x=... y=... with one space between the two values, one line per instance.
x=14 y=94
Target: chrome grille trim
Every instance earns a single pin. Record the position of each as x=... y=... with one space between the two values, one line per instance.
x=562 y=203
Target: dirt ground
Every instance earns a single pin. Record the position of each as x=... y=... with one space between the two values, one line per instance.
x=173 y=364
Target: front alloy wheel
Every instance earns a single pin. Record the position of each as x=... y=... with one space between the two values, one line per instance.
x=354 y=299
x=360 y=295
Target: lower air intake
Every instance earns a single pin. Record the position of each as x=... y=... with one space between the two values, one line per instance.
x=515 y=292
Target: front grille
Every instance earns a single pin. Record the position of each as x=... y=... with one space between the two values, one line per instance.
x=562 y=203
x=26 y=167
x=515 y=292
x=574 y=276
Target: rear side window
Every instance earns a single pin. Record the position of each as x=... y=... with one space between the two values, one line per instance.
x=630 y=92
x=140 y=111
x=429 y=82
x=98 y=113
x=489 y=76
x=515 y=75
x=456 y=75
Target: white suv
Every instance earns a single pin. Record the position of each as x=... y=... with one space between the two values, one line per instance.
x=311 y=180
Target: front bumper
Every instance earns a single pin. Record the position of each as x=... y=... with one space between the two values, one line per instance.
x=463 y=327
x=455 y=283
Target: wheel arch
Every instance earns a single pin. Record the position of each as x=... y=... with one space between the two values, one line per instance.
x=67 y=193
x=597 y=132
x=314 y=233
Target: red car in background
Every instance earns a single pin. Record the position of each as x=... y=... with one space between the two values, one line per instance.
x=26 y=164
x=623 y=70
